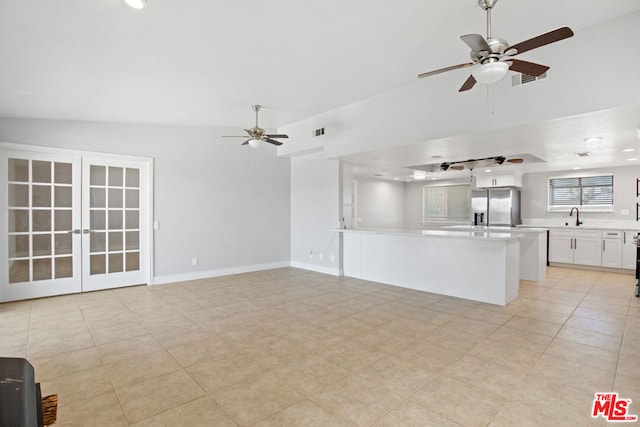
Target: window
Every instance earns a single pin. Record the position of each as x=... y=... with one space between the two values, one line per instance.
x=446 y=203
x=595 y=192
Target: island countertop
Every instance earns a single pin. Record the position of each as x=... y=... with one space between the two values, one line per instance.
x=482 y=234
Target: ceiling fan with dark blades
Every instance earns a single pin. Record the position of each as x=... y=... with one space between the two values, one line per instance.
x=256 y=134
x=473 y=163
x=493 y=57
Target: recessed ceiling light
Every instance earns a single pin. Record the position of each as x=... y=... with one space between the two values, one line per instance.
x=632 y=160
x=593 y=139
x=576 y=168
x=433 y=179
x=628 y=150
x=136 y=4
x=396 y=178
x=585 y=154
x=488 y=170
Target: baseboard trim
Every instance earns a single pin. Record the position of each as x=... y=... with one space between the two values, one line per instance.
x=206 y=274
x=333 y=271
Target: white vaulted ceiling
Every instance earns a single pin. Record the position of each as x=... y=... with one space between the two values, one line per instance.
x=203 y=62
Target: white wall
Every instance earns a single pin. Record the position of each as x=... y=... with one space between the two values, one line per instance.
x=380 y=203
x=535 y=193
x=214 y=199
x=315 y=212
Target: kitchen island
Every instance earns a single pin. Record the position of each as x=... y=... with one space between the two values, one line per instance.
x=533 y=248
x=477 y=265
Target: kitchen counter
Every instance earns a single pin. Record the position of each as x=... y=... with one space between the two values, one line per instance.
x=466 y=233
x=477 y=265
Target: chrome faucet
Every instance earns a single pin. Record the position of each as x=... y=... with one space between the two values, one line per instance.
x=578 y=222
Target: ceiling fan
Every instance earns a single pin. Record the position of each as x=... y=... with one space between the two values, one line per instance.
x=494 y=57
x=257 y=134
x=473 y=163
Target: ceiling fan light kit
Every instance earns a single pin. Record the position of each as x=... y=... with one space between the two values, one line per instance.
x=493 y=57
x=136 y=4
x=257 y=135
x=490 y=72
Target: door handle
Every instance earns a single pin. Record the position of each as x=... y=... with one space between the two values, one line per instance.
x=76 y=231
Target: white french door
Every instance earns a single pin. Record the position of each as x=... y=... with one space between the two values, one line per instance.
x=72 y=223
x=112 y=218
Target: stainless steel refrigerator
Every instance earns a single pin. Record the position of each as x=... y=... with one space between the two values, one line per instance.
x=496 y=207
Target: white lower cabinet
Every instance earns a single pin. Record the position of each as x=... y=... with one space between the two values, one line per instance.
x=575 y=247
x=629 y=249
x=601 y=248
x=612 y=248
x=561 y=246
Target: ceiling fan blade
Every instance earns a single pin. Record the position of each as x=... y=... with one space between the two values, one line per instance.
x=246 y=142
x=443 y=70
x=476 y=42
x=543 y=39
x=515 y=160
x=248 y=131
x=526 y=67
x=468 y=84
x=457 y=167
x=277 y=136
x=233 y=136
x=272 y=141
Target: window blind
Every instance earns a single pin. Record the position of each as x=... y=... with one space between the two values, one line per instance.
x=581 y=191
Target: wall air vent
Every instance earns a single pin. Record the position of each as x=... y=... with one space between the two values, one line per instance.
x=318 y=132
x=520 y=79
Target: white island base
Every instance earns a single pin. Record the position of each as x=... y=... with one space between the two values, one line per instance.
x=480 y=266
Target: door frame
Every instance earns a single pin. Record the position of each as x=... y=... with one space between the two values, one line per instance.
x=145 y=197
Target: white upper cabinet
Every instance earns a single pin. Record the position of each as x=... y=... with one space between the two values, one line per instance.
x=491 y=181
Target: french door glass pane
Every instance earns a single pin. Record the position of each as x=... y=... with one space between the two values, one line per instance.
x=41 y=220
x=18 y=196
x=33 y=218
x=19 y=271
x=42 y=269
x=115 y=219
x=18 y=170
x=63 y=173
x=18 y=221
x=41 y=171
x=41 y=196
x=63 y=220
x=64 y=267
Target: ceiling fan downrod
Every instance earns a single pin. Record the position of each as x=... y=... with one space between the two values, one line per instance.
x=488 y=5
x=256 y=108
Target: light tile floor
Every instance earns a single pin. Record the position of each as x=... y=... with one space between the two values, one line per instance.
x=289 y=347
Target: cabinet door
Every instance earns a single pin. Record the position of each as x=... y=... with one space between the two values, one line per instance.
x=612 y=253
x=587 y=251
x=504 y=180
x=560 y=248
x=484 y=181
x=629 y=250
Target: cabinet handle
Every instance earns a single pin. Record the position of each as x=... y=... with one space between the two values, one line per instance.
x=571 y=243
x=603 y=243
x=624 y=237
x=575 y=243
